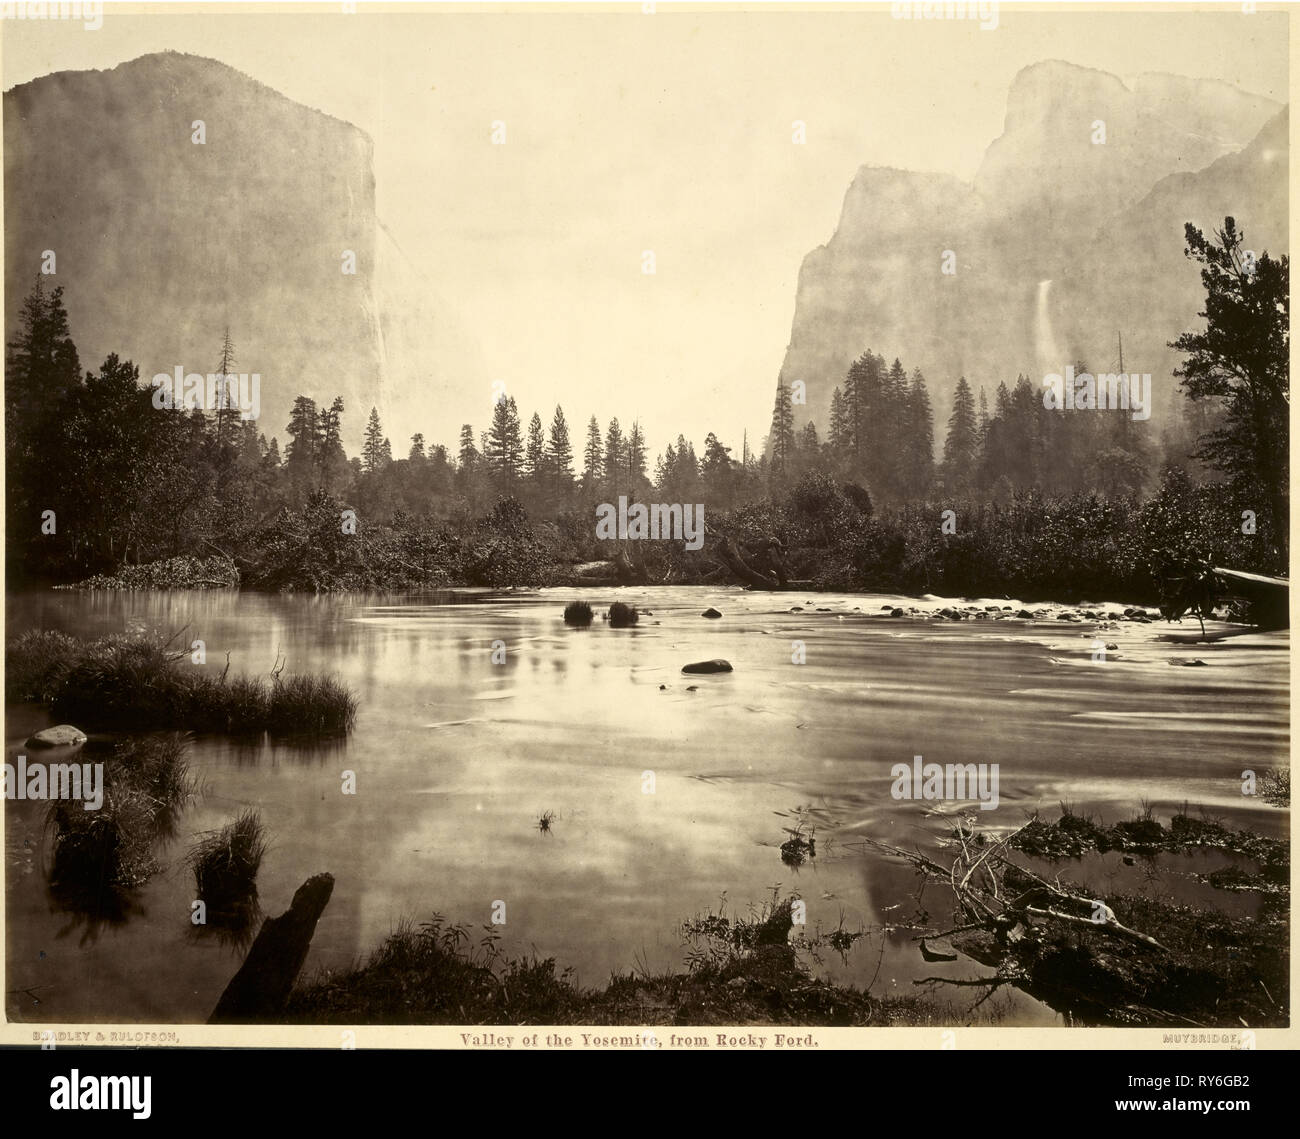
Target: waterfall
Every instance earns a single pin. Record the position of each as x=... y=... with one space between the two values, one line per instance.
x=1046 y=349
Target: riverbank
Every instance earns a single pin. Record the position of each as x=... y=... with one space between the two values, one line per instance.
x=823 y=534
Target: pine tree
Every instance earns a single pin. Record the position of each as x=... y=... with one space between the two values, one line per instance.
x=840 y=434
x=665 y=470
x=416 y=454
x=636 y=459
x=468 y=458
x=303 y=431
x=559 y=452
x=372 y=449
x=592 y=468
x=504 y=450
x=919 y=457
x=781 y=441
x=331 y=462
x=615 y=457
x=41 y=361
x=1241 y=360
x=717 y=472
x=863 y=393
x=959 y=448
x=535 y=451
x=225 y=367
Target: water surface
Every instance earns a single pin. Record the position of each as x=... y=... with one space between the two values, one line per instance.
x=457 y=757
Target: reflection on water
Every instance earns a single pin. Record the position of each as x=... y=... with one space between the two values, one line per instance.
x=456 y=760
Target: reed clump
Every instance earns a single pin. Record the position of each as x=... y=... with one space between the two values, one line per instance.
x=225 y=864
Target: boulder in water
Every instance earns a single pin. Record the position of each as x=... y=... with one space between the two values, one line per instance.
x=717 y=665
x=710 y=613
x=62 y=735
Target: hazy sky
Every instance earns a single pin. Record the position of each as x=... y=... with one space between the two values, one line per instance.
x=627 y=132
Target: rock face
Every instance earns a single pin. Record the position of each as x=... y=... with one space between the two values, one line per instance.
x=707 y=666
x=248 y=229
x=62 y=735
x=1059 y=242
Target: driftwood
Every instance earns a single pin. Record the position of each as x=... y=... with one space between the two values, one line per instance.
x=260 y=990
x=983 y=901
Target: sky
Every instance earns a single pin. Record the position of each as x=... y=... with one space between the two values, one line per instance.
x=629 y=132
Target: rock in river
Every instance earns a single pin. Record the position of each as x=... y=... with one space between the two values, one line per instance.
x=62 y=735
x=710 y=613
x=708 y=666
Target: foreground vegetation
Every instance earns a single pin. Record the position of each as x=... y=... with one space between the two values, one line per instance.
x=99 y=856
x=740 y=971
x=135 y=682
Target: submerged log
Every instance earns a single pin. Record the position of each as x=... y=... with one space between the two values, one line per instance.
x=260 y=990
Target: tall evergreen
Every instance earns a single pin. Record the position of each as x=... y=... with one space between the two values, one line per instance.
x=303 y=431
x=468 y=455
x=592 y=463
x=504 y=450
x=839 y=438
x=781 y=441
x=615 y=458
x=535 y=451
x=372 y=449
x=918 y=440
x=1241 y=360
x=636 y=459
x=717 y=473
x=559 y=451
x=959 y=448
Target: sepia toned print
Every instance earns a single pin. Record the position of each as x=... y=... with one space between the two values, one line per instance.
x=646 y=525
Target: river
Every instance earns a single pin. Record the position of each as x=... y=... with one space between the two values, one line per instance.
x=480 y=713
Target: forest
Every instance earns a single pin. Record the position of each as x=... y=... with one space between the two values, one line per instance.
x=105 y=488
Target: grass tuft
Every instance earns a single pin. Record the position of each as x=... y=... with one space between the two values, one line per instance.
x=225 y=865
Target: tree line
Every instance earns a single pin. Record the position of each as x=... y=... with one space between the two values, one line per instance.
x=98 y=477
